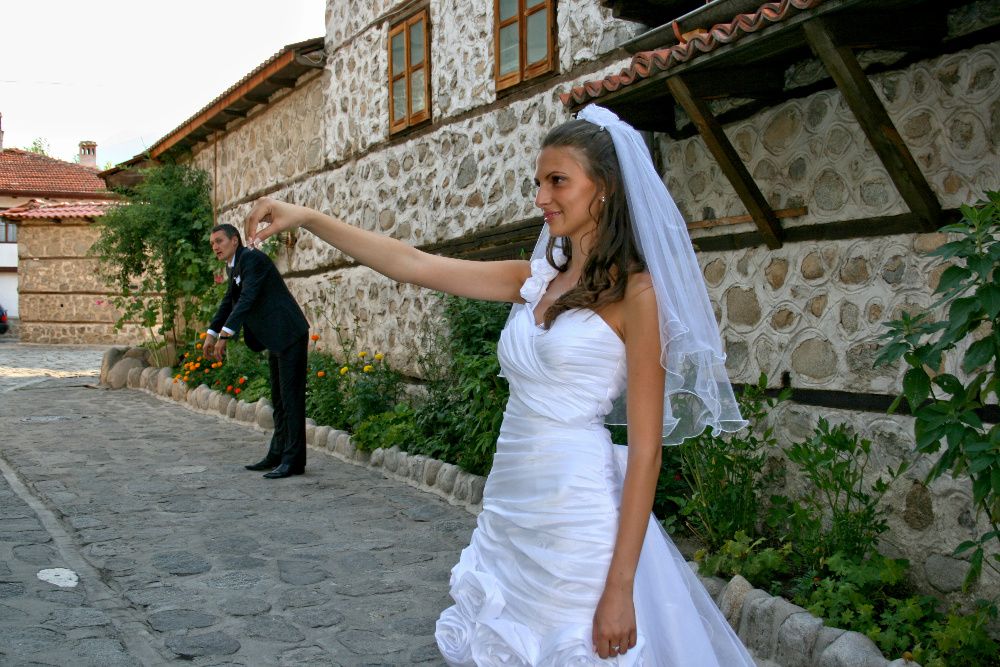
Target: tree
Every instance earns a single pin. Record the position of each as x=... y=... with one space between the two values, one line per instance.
x=40 y=146
x=155 y=248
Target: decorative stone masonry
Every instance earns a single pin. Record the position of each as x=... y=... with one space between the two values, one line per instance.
x=778 y=632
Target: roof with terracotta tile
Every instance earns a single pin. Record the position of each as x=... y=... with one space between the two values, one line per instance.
x=30 y=173
x=648 y=63
x=39 y=209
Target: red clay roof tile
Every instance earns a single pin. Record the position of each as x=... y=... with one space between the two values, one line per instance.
x=648 y=63
x=39 y=209
x=24 y=171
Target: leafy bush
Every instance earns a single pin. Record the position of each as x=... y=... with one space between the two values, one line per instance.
x=243 y=373
x=726 y=472
x=838 y=513
x=947 y=410
x=155 y=246
x=397 y=428
x=370 y=387
x=872 y=596
x=460 y=419
x=324 y=390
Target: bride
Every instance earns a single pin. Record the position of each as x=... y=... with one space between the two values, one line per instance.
x=611 y=323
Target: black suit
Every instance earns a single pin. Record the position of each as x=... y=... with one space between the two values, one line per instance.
x=258 y=301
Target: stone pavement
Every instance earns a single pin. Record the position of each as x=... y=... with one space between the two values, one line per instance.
x=183 y=556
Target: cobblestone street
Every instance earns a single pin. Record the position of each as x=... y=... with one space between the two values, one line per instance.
x=184 y=556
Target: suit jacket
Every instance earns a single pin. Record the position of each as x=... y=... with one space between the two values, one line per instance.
x=258 y=301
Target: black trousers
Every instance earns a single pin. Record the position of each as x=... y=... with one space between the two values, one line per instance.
x=288 y=397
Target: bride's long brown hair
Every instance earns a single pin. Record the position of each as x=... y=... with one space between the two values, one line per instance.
x=614 y=255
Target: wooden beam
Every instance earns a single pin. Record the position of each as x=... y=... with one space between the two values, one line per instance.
x=797 y=212
x=874 y=120
x=729 y=161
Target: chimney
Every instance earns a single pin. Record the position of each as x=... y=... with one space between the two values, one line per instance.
x=88 y=154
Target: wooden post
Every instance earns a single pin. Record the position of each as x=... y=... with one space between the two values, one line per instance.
x=729 y=161
x=874 y=120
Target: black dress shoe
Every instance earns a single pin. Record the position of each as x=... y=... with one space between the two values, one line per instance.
x=284 y=470
x=263 y=464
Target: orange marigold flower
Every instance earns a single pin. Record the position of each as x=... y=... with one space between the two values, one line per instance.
x=321 y=374
x=229 y=388
x=202 y=335
x=237 y=390
x=175 y=380
x=243 y=379
x=314 y=337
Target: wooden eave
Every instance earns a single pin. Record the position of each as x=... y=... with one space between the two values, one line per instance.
x=280 y=72
x=754 y=67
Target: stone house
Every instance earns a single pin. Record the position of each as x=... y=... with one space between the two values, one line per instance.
x=813 y=145
x=64 y=297
x=25 y=176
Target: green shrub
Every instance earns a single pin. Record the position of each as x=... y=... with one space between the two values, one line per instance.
x=397 y=428
x=947 y=411
x=839 y=513
x=325 y=391
x=460 y=418
x=726 y=473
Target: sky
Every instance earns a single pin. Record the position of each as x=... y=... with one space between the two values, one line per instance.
x=124 y=73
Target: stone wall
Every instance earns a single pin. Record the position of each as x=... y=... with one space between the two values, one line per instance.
x=812 y=152
x=281 y=142
x=62 y=297
x=814 y=310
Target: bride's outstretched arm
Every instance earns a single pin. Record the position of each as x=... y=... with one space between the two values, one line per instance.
x=491 y=281
x=614 y=619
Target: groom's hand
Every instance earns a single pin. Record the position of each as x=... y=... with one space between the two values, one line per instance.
x=208 y=349
x=219 y=350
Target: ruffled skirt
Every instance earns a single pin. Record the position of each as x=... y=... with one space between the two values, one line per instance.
x=526 y=587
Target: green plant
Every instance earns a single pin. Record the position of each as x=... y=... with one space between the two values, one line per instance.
x=460 y=418
x=761 y=565
x=325 y=390
x=872 y=596
x=840 y=510
x=946 y=409
x=370 y=387
x=726 y=473
x=396 y=428
x=155 y=248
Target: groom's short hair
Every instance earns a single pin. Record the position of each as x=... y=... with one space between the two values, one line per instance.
x=229 y=230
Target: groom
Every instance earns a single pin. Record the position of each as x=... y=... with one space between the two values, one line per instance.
x=258 y=300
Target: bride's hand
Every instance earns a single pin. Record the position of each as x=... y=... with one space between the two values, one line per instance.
x=277 y=215
x=614 y=623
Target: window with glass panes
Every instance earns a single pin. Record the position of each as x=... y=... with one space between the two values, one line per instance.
x=8 y=232
x=409 y=76
x=525 y=40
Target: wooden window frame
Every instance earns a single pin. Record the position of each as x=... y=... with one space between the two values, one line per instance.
x=4 y=233
x=410 y=119
x=525 y=70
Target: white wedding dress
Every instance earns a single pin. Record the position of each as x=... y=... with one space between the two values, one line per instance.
x=526 y=587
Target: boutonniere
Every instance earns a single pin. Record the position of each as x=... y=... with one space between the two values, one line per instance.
x=237 y=280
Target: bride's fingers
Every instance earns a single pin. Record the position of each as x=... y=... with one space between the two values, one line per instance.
x=260 y=213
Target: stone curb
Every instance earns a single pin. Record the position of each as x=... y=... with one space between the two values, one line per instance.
x=778 y=632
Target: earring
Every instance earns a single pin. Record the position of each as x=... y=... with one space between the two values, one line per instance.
x=603 y=199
